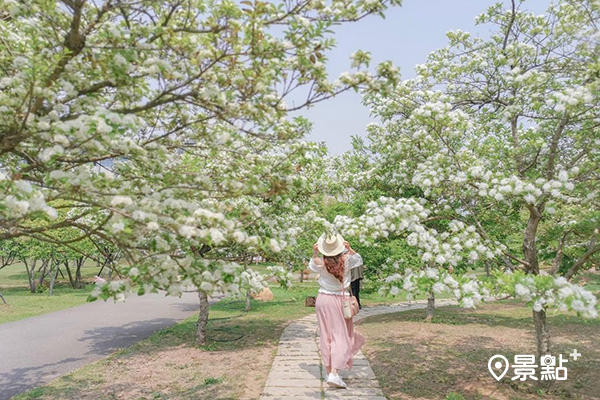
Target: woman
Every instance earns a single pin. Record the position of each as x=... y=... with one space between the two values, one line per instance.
x=339 y=341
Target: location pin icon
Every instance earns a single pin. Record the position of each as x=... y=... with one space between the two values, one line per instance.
x=497 y=365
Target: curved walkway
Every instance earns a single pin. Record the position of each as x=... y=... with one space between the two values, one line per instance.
x=298 y=373
x=36 y=350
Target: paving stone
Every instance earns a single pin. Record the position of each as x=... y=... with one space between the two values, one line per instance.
x=294 y=361
x=308 y=343
x=357 y=362
x=347 y=396
x=303 y=366
x=316 y=395
x=286 y=393
x=292 y=340
x=333 y=393
x=295 y=353
x=301 y=374
x=293 y=335
x=314 y=356
x=359 y=372
x=284 y=376
x=314 y=383
x=306 y=346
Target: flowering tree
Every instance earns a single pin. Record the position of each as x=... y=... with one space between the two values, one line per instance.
x=497 y=135
x=106 y=105
x=396 y=217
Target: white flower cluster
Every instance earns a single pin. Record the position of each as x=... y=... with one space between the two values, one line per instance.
x=570 y=97
x=176 y=275
x=390 y=216
x=468 y=292
x=283 y=276
x=538 y=291
x=182 y=164
x=436 y=172
x=500 y=188
x=253 y=280
x=118 y=290
x=381 y=218
x=543 y=291
x=20 y=199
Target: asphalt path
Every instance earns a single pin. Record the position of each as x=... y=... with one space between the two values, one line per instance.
x=36 y=350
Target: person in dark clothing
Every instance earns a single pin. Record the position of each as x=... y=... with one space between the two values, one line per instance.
x=356 y=275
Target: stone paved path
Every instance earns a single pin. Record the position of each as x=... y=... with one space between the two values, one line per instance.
x=298 y=373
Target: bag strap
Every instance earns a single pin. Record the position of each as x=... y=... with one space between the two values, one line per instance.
x=344 y=291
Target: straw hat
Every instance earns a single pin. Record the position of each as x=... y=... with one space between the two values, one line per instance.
x=331 y=245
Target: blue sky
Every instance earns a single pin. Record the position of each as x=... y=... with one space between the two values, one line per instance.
x=406 y=36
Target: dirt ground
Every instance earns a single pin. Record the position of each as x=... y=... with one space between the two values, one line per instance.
x=186 y=372
x=448 y=359
x=181 y=372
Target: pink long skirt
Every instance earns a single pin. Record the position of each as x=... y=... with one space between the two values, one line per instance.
x=339 y=341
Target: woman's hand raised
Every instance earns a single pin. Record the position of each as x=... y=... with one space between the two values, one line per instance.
x=348 y=247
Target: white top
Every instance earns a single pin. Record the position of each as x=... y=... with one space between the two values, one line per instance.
x=329 y=283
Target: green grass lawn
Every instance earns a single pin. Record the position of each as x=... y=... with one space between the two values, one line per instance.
x=16 y=275
x=23 y=304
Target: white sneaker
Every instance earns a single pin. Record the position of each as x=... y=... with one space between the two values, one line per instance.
x=336 y=381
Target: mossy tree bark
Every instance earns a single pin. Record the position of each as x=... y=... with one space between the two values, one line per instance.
x=202 y=318
x=430 y=306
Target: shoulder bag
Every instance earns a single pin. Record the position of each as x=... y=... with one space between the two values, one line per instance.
x=349 y=304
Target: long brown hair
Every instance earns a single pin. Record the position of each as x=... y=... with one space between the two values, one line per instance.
x=335 y=266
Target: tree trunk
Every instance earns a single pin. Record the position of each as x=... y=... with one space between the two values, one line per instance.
x=530 y=252
x=30 y=275
x=203 y=298
x=559 y=254
x=542 y=335
x=78 y=280
x=53 y=279
x=591 y=249
x=487 y=268
x=3 y=299
x=248 y=305
x=107 y=260
x=43 y=270
x=430 y=306
x=542 y=338
x=202 y=318
x=70 y=274
x=301 y=275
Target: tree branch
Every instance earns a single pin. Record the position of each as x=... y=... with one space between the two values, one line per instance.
x=592 y=248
